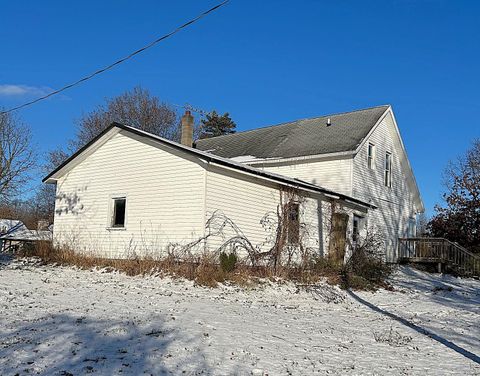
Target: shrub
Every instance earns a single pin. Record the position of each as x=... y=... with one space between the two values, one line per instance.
x=228 y=262
x=366 y=268
x=325 y=266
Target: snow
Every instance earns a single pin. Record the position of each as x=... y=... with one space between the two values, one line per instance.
x=7 y=225
x=249 y=158
x=62 y=321
x=11 y=229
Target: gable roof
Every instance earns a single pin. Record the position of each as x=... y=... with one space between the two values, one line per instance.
x=298 y=138
x=115 y=128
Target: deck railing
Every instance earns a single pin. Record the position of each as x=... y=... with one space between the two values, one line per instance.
x=439 y=250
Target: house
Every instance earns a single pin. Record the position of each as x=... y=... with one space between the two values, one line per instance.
x=359 y=154
x=14 y=235
x=130 y=193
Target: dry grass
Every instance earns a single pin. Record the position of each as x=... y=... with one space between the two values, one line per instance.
x=205 y=269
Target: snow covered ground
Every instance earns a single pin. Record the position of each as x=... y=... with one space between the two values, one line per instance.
x=63 y=321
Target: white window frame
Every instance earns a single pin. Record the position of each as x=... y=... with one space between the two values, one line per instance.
x=111 y=212
x=360 y=224
x=371 y=157
x=387 y=174
x=412 y=227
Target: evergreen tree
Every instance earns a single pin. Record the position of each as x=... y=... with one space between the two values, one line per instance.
x=215 y=125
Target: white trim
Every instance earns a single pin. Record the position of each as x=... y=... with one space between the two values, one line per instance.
x=372 y=165
x=387 y=172
x=205 y=188
x=375 y=126
x=83 y=155
x=112 y=198
x=420 y=207
x=402 y=156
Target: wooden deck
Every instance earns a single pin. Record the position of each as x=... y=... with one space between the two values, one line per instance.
x=439 y=251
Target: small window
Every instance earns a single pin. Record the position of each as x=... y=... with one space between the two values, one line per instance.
x=357 y=220
x=371 y=156
x=412 y=226
x=293 y=223
x=388 y=170
x=118 y=215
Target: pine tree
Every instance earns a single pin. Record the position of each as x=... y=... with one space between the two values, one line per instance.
x=215 y=125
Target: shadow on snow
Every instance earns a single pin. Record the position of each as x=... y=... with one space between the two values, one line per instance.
x=467 y=354
x=61 y=344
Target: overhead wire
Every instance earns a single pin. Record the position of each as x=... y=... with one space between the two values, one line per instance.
x=120 y=61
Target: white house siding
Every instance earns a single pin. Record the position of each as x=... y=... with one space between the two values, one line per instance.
x=246 y=200
x=395 y=204
x=331 y=173
x=165 y=199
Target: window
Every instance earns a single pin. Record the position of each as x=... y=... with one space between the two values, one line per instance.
x=412 y=226
x=293 y=223
x=388 y=170
x=356 y=227
x=371 y=156
x=118 y=214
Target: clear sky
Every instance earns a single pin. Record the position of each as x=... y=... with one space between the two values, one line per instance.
x=264 y=62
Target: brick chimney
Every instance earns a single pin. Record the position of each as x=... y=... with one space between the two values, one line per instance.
x=187 y=129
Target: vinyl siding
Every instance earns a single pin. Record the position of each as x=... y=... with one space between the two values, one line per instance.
x=246 y=201
x=170 y=196
x=165 y=197
x=351 y=176
x=334 y=173
x=395 y=204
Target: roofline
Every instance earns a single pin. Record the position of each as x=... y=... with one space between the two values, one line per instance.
x=80 y=151
x=370 y=132
x=414 y=179
x=402 y=146
x=294 y=121
x=215 y=159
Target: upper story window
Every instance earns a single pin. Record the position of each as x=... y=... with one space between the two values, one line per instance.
x=371 y=156
x=118 y=213
x=388 y=170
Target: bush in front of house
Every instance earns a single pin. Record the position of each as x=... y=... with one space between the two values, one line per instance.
x=228 y=261
x=366 y=268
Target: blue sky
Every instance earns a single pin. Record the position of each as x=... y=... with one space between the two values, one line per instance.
x=264 y=62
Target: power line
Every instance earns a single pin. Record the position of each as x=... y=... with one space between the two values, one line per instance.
x=99 y=71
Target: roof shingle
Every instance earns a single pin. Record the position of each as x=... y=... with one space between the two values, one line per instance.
x=298 y=138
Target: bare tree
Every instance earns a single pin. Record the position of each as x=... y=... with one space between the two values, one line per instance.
x=459 y=219
x=136 y=108
x=422 y=224
x=42 y=204
x=17 y=157
x=54 y=159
